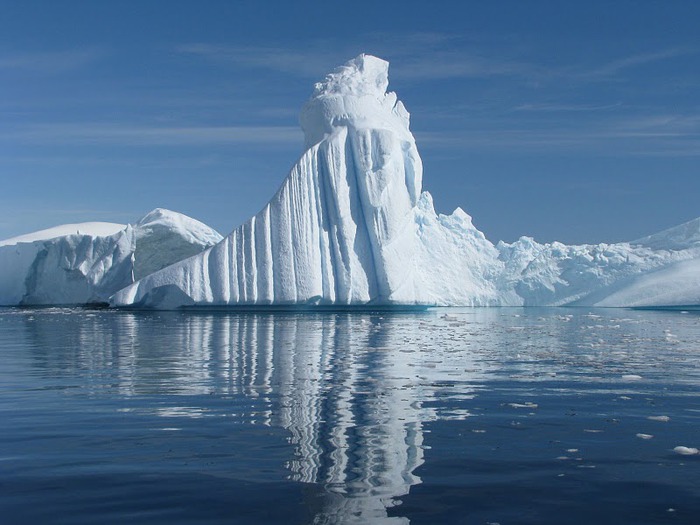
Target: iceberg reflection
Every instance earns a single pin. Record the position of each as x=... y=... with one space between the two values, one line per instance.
x=349 y=388
x=353 y=393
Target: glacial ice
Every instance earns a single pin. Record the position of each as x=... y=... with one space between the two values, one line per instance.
x=350 y=226
x=86 y=263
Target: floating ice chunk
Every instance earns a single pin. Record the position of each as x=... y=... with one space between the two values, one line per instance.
x=663 y=419
x=645 y=436
x=631 y=377
x=686 y=451
x=523 y=405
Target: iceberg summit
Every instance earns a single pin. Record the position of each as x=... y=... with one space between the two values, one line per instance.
x=350 y=226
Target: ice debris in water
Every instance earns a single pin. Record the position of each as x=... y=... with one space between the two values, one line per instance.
x=631 y=377
x=686 y=451
x=644 y=436
x=663 y=419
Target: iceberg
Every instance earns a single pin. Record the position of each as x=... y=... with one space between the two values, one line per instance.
x=350 y=225
x=88 y=262
x=659 y=270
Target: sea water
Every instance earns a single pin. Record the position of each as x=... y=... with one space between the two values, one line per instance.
x=503 y=415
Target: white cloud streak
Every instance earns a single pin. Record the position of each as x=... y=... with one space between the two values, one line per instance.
x=135 y=135
x=421 y=57
x=48 y=62
x=654 y=135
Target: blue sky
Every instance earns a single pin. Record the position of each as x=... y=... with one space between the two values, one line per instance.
x=570 y=121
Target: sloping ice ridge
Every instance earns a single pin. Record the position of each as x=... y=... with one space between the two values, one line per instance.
x=86 y=263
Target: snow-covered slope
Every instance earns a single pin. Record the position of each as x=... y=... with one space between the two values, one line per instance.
x=96 y=229
x=163 y=237
x=88 y=262
x=350 y=226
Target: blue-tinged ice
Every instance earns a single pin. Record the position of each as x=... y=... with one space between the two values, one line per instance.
x=351 y=226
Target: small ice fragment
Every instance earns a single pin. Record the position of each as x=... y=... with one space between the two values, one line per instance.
x=659 y=418
x=591 y=430
x=572 y=450
x=644 y=436
x=670 y=510
x=686 y=451
x=523 y=405
x=626 y=398
x=631 y=377
x=562 y=458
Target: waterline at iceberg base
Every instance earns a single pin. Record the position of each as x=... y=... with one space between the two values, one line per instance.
x=351 y=226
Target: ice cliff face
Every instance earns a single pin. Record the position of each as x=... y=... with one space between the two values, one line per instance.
x=86 y=263
x=350 y=226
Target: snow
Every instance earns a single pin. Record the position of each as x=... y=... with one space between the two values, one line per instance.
x=350 y=225
x=86 y=263
x=95 y=229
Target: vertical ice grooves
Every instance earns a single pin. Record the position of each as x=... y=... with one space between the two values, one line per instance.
x=251 y=274
x=340 y=259
x=240 y=247
x=375 y=265
x=329 y=292
x=290 y=240
x=264 y=257
x=233 y=270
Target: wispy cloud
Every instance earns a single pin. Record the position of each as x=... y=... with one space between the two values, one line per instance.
x=308 y=62
x=564 y=108
x=655 y=135
x=424 y=57
x=617 y=66
x=48 y=62
x=144 y=135
x=415 y=56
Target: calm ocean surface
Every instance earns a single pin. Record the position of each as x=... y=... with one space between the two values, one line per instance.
x=477 y=416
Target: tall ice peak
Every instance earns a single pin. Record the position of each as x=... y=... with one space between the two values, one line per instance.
x=355 y=94
x=363 y=75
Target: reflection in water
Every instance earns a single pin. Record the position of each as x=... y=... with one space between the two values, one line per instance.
x=348 y=388
x=353 y=390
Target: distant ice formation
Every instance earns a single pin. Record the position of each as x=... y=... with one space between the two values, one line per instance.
x=350 y=226
x=86 y=263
